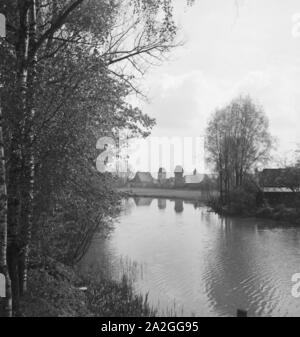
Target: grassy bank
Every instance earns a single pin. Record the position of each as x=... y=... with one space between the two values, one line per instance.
x=190 y=195
x=55 y=290
x=279 y=212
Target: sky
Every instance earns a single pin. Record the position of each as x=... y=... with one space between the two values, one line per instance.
x=231 y=47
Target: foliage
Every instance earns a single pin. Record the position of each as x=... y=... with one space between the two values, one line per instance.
x=55 y=291
x=242 y=201
x=290 y=178
x=67 y=69
x=50 y=295
x=66 y=234
x=111 y=298
x=237 y=140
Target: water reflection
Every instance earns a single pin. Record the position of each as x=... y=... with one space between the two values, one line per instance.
x=209 y=265
x=161 y=203
x=195 y=204
x=139 y=201
x=178 y=206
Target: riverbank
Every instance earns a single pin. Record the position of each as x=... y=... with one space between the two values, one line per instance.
x=56 y=290
x=189 y=195
x=278 y=213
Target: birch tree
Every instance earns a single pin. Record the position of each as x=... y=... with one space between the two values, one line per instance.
x=87 y=37
x=5 y=303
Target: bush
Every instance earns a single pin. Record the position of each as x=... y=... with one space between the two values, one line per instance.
x=265 y=212
x=242 y=201
x=279 y=208
x=54 y=291
x=110 y=298
x=215 y=204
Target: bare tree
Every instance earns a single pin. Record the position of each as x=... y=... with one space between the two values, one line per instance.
x=237 y=139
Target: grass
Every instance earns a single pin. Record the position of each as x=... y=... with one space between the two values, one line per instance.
x=55 y=290
x=117 y=299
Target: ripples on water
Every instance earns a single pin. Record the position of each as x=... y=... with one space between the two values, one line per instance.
x=193 y=262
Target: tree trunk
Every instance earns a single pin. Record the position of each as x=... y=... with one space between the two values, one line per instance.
x=221 y=186
x=16 y=160
x=6 y=302
x=28 y=153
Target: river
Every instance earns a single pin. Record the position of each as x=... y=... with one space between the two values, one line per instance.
x=194 y=262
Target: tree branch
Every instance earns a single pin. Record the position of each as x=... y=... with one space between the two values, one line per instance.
x=57 y=24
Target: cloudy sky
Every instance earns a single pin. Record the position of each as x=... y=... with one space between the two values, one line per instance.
x=232 y=47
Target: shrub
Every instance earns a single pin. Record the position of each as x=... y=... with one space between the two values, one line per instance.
x=265 y=212
x=110 y=298
x=242 y=201
x=215 y=203
x=54 y=290
x=279 y=208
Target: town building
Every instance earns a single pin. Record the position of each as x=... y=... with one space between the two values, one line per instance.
x=179 y=178
x=194 y=181
x=162 y=176
x=280 y=185
x=142 y=179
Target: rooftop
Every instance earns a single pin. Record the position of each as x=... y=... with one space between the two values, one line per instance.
x=178 y=169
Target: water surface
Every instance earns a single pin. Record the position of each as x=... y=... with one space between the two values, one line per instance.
x=195 y=262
